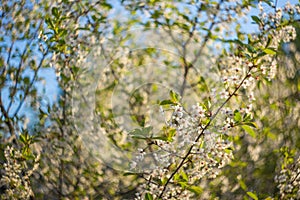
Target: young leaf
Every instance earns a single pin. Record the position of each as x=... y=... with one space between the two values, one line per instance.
x=183 y=184
x=184 y=176
x=269 y=51
x=195 y=189
x=23 y=138
x=174 y=96
x=55 y=12
x=249 y=130
x=256 y=19
x=148 y=196
x=252 y=195
x=247 y=117
x=170 y=134
x=269 y=41
x=242 y=184
x=141 y=133
x=237 y=116
x=252 y=124
x=166 y=102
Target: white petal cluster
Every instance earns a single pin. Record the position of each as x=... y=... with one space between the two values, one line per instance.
x=209 y=153
x=16 y=176
x=289 y=181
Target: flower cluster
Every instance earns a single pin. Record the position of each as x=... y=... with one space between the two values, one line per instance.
x=174 y=192
x=257 y=62
x=234 y=69
x=289 y=181
x=206 y=151
x=194 y=146
x=16 y=176
x=274 y=25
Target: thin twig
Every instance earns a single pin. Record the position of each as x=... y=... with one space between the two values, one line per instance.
x=7 y=119
x=187 y=67
x=18 y=75
x=30 y=85
x=202 y=132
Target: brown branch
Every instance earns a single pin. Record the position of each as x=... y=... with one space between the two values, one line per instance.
x=187 y=67
x=31 y=84
x=20 y=67
x=7 y=119
x=202 y=132
x=8 y=59
x=17 y=79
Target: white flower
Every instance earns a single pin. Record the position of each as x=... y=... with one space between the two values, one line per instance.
x=224 y=94
x=198 y=111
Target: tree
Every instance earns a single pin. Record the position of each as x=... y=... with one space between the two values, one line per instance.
x=157 y=100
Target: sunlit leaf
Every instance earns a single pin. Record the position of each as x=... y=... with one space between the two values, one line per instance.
x=252 y=195
x=249 y=130
x=270 y=51
x=148 y=196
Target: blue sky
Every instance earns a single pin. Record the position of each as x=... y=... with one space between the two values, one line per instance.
x=49 y=74
x=50 y=89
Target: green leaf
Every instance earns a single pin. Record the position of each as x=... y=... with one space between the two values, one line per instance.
x=242 y=184
x=213 y=37
x=49 y=22
x=269 y=2
x=23 y=138
x=203 y=7
x=256 y=19
x=148 y=196
x=166 y=102
x=195 y=189
x=147 y=130
x=62 y=32
x=252 y=124
x=184 y=176
x=176 y=177
x=247 y=117
x=237 y=116
x=203 y=87
x=106 y=5
x=141 y=133
x=250 y=48
x=268 y=198
x=249 y=130
x=156 y=14
x=252 y=195
x=269 y=40
x=26 y=80
x=183 y=184
x=164 y=180
x=170 y=134
x=174 y=96
x=55 y=12
x=270 y=51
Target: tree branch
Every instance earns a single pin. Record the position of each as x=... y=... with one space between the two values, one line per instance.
x=202 y=132
x=187 y=67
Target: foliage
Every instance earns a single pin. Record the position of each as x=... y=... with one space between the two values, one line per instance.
x=155 y=100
